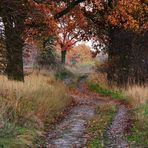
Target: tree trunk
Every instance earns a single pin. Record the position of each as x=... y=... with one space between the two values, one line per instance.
x=119 y=56
x=14 y=47
x=14 y=69
x=127 y=58
x=63 y=56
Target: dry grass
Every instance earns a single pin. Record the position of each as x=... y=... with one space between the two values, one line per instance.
x=139 y=115
x=30 y=104
x=99 y=78
x=137 y=94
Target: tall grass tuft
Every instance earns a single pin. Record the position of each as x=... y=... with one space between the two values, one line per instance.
x=29 y=105
x=138 y=94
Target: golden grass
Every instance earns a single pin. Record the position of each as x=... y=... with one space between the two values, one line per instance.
x=29 y=105
x=39 y=98
x=137 y=94
x=99 y=78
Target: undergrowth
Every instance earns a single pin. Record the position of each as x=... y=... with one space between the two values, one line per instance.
x=26 y=108
x=62 y=73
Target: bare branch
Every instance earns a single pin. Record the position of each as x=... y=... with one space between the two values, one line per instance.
x=69 y=7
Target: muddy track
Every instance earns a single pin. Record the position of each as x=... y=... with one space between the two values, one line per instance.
x=70 y=133
x=115 y=133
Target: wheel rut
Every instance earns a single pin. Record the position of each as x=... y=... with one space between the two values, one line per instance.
x=115 y=133
x=70 y=133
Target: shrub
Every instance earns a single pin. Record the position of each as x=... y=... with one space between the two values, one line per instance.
x=47 y=56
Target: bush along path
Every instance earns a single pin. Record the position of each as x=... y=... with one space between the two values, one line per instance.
x=72 y=131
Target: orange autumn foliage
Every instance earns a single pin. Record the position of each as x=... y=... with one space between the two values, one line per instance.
x=129 y=14
x=82 y=53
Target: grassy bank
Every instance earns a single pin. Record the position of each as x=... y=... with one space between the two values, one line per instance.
x=138 y=133
x=115 y=94
x=26 y=108
x=98 y=124
x=98 y=83
x=137 y=97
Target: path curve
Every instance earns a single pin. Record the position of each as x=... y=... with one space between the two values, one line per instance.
x=70 y=133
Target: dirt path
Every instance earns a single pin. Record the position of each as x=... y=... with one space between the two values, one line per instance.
x=70 y=132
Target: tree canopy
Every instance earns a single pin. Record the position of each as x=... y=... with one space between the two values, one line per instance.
x=68 y=21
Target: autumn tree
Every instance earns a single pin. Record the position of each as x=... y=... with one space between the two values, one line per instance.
x=21 y=21
x=117 y=24
x=13 y=14
x=112 y=23
x=127 y=22
x=70 y=31
x=82 y=52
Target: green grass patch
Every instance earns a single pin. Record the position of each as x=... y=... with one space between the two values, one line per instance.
x=19 y=137
x=98 y=124
x=115 y=94
x=63 y=73
x=138 y=135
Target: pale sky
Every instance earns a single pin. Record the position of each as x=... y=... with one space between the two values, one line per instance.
x=88 y=43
